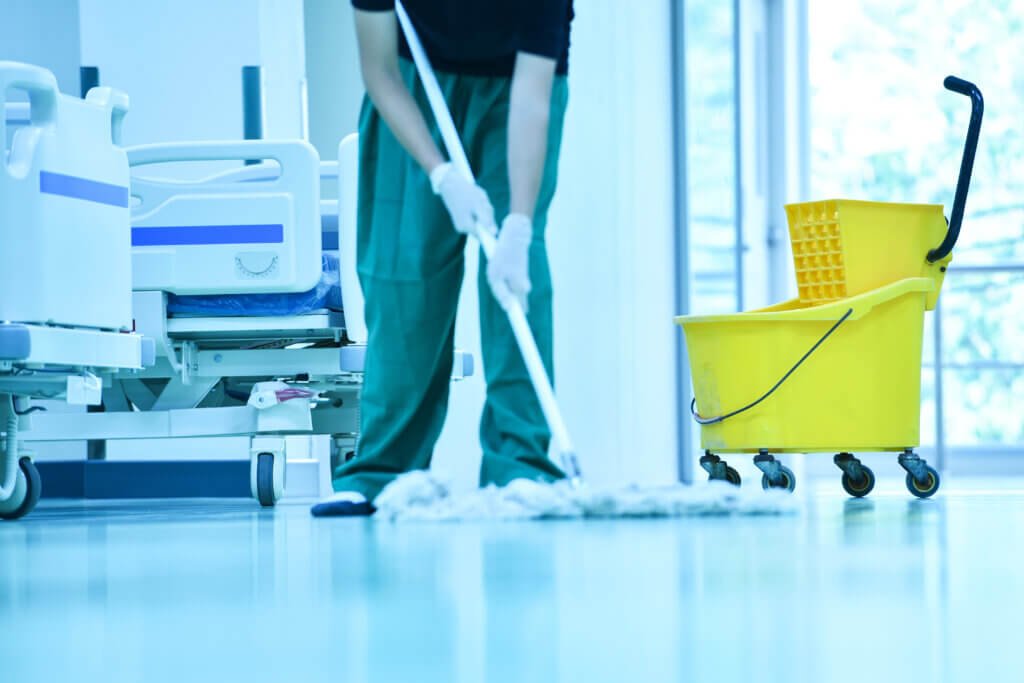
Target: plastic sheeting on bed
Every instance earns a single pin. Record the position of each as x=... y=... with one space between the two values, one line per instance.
x=326 y=295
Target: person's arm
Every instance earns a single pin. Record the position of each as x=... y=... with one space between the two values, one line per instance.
x=528 y=119
x=529 y=114
x=377 y=34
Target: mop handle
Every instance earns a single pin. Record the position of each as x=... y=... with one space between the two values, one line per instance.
x=516 y=315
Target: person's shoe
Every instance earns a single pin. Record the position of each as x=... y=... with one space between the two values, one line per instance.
x=343 y=504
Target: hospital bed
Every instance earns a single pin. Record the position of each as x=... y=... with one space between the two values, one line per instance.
x=259 y=328
x=65 y=261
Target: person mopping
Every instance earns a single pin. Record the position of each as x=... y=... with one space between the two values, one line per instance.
x=502 y=66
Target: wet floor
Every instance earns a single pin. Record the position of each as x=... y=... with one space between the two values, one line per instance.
x=883 y=589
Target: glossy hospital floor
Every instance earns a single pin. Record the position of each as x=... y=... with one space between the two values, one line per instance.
x=887 y=589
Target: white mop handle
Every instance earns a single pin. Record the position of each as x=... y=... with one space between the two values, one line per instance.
x=538 y=376
x=516 y=315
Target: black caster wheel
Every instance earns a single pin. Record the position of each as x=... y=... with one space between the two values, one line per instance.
x=709 y=460
x=928 y=488
x=265 y=480
x=786 y=480
x=732 y=476
x=859 y=489
x=718 y=470
x=33 y=489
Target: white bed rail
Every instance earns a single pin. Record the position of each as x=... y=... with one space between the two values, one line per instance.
x=222 y=236
x=348 y=195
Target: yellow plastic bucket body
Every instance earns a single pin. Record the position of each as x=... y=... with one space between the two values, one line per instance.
x=845 y=247
x=859 y=391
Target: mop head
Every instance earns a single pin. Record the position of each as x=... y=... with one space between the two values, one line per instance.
x=426 y=496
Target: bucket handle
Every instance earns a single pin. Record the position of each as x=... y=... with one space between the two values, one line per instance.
x=723 y=418
x=967 y=88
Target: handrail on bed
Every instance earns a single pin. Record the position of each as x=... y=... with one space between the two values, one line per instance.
x=348 y=189
x=224 y=236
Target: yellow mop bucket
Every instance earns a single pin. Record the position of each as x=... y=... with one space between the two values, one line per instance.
x=837 y=369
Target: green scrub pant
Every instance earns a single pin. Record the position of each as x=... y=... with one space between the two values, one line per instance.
x=411 y=263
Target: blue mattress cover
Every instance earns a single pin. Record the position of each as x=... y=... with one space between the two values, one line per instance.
x=326 y=295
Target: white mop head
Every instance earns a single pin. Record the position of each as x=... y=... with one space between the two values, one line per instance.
x=425 y=496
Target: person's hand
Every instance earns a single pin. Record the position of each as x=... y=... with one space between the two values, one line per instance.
x=508 y=270
x=467 y=203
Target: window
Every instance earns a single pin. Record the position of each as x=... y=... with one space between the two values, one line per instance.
x=711 y=155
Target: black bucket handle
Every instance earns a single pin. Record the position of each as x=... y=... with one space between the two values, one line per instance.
x=967 y=88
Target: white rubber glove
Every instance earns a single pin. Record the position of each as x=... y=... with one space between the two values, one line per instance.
x=508 y=271
x=467 y=203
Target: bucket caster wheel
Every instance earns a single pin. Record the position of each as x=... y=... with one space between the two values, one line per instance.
x=28 y=486
x=776 y=475
x=732 y=476
x=922 y=479
x=858 y=479
x=785 y=480
x=928 y=488
x=861 y=488
x=718 y=469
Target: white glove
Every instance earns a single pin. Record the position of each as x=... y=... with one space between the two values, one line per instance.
x=508 y=270
x=467 y=203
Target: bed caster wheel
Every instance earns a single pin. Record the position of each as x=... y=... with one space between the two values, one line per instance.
x=28 y=486
x=718 y=470
x=858 y=479
x=267 y=471
x=926 y=489
x=922 y=478
x=265 y=480
x=776 y=475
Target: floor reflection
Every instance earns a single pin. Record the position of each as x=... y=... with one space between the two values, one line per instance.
x=903 y=589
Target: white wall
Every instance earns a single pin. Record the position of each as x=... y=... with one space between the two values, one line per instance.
x=335 y=86
x=283 y=57
x=43 y=32
x=180 y=61
x=611 y=244
x=610 y=236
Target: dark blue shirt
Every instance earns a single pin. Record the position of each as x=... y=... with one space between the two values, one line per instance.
x=482 y=37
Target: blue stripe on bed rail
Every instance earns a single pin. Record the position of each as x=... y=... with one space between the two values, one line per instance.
x=83 y=188
x=191 y=235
